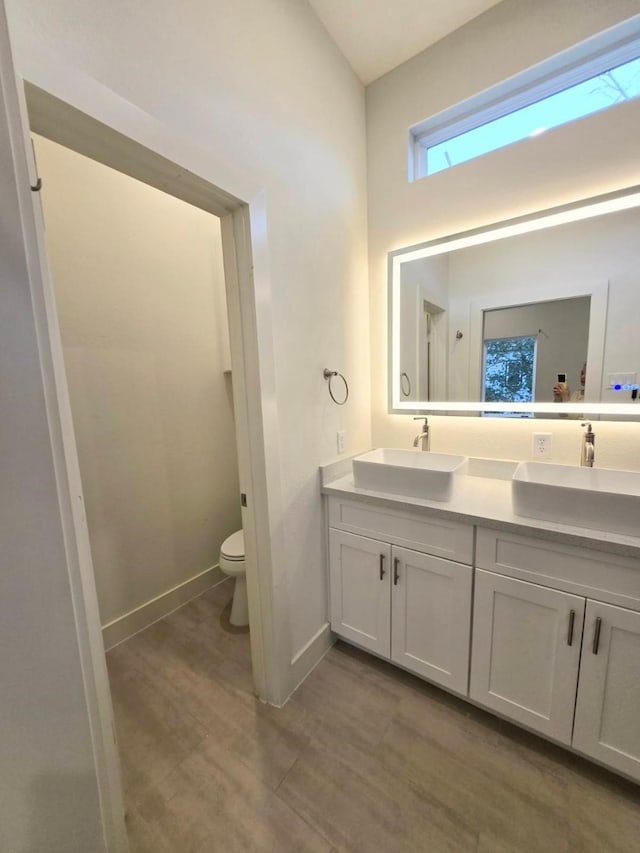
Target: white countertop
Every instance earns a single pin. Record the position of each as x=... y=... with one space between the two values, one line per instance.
x=487 y=501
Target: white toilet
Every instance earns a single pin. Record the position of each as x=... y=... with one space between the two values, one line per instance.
x=232 y=564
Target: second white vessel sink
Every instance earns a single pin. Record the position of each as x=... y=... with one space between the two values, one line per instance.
x=412 y=473
x=596 y=498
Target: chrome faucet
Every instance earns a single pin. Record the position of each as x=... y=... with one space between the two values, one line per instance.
x=588 y=452
x=422 y=439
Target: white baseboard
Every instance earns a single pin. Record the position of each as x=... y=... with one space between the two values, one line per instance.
x=310 y=655
x=141 y=617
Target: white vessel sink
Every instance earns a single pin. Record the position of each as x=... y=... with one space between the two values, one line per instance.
x=597 y=498
x=413 y=473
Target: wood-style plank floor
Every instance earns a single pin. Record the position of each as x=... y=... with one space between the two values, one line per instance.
x=364 y=757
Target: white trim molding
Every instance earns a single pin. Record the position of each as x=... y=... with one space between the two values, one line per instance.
x=120 y=629
x=310 y=655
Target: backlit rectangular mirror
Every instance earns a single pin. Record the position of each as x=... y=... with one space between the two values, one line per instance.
x=532 y=316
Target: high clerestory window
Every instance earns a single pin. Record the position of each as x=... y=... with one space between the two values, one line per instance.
x=591 y=77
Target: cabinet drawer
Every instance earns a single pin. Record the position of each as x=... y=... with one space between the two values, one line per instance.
x=578 y=570
x=409 y=529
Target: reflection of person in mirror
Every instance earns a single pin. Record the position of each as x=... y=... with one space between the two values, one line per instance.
x=563 y=394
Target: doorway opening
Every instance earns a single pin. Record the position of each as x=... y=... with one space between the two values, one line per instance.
x=139 y=285
x=62 y=123
x=68 y=126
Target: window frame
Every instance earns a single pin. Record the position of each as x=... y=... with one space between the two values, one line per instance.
x=575 y=65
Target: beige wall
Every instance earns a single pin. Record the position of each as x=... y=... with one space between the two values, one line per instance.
x=140 y=297
x=586 y=158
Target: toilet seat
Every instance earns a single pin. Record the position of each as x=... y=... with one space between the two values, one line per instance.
x=233 y=546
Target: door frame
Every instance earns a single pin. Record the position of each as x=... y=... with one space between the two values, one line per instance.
x=132 y=142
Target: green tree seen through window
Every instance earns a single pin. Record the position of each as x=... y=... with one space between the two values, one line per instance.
x=509 y=370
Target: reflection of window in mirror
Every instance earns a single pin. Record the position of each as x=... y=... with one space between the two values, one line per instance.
x=525 y=347
x=509 y=368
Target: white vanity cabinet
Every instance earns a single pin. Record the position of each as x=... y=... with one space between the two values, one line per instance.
x=555 y=644
x=407 y=605
x=360 y=590
x=607 y=725
x=544 y=651
x=431 y=617
x=526 y=652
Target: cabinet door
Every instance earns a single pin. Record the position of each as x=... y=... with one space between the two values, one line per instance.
x=431 y=617
x=607 y=724
x=526 y=652
x=360 y=573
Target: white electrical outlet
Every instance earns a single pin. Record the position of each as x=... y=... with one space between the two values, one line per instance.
x=340 y=440
x=541 y=445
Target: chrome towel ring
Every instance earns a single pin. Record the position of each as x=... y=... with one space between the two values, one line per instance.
x=405 y=384
x=329 y=375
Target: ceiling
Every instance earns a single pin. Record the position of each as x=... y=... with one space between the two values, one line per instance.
x=377 y=35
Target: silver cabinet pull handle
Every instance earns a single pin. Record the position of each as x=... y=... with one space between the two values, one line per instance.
x=572 y=622
x=396 y=575
x=382 y=571
x=596 y=636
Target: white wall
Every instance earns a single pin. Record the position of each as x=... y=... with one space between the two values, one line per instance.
x=257 y=99
x=140 y=296
x=593 y=156
x=49 y=781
